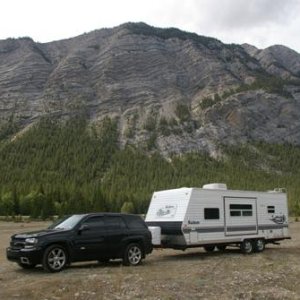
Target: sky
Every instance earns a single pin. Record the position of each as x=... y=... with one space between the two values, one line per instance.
x=261 y=23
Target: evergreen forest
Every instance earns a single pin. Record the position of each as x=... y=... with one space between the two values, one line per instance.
x=57 y=168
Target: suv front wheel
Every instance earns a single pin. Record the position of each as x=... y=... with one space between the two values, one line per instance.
x=55 y=258
x=133 y=255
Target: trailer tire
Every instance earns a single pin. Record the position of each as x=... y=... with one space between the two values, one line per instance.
x=221 y=247
x=209 y=248
x=259 y=245
x=247 y=246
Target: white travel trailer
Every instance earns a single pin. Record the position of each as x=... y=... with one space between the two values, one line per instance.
x=214 y=217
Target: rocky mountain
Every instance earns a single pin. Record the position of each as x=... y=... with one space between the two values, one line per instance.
x=277 y=60
x=166 y=88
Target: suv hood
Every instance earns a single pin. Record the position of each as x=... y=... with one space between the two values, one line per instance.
x=39 y=233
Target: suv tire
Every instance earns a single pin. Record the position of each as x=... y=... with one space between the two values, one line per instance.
x=55 y=258
x=133 y=255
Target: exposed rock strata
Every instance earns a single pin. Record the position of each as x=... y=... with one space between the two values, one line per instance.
x=134 y=72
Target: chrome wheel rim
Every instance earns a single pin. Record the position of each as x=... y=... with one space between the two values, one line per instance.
x=57 y=259
x=134 y=255
x=260 y=245
x=248 y=246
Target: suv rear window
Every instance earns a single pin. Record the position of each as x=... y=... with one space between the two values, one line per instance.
x=135 y=222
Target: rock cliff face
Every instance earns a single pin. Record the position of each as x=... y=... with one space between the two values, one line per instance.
x=168 y=89
x=277 y=60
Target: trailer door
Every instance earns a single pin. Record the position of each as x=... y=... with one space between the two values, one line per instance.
x=240 y=215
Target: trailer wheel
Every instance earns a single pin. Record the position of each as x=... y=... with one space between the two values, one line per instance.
x=221 y=247
x=259 y=245
x=247 y=246
x=209 y=248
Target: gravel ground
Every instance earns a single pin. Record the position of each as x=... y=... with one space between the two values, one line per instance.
x=165 y=274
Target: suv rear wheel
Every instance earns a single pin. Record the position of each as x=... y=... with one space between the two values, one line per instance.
x=133 y=255
x=55 y=258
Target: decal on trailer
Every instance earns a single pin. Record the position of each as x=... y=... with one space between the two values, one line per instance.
x=167 y=211
x=279 y=219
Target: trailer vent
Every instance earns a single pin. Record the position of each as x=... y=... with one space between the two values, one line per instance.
x=215 y=186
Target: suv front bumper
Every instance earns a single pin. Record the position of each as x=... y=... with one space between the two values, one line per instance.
x=31 y=255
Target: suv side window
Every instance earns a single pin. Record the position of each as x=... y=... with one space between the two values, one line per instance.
x=112 y=222
x=135 y=223
x=96 y=222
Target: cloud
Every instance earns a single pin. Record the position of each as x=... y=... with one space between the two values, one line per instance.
x=237 y=14
x=258 y=22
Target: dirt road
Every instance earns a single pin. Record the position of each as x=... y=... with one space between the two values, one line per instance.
x=165 y=274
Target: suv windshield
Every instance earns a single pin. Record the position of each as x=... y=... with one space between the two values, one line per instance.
x=67 y=222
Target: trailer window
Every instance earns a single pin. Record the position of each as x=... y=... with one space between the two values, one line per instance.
x=211 y=213
x=246 y=213
x=235 y=213
x=238 y=210
x=271 y=209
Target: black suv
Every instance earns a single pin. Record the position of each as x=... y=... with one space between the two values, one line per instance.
x=97 y=236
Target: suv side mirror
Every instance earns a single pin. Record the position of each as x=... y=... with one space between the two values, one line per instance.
x=83 y=227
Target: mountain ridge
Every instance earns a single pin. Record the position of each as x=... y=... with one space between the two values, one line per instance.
x=195 y=91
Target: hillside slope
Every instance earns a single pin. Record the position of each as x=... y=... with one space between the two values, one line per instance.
x=56 y=168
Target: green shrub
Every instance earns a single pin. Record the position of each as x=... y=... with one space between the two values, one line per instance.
x=127 y=207
x=182 y=112
x=150 y=123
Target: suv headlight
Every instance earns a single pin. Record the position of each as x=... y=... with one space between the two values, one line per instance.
x=30 y=242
